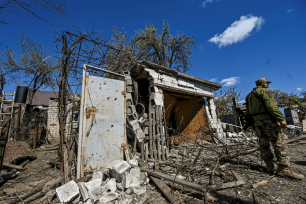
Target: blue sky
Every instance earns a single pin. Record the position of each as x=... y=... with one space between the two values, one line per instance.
x=239 y=41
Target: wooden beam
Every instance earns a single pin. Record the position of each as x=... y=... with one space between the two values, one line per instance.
x=296 y=138
x=225 y=185
x=174 y=179
x=12 y=166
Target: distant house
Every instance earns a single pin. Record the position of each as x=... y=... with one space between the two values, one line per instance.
x=41 y=98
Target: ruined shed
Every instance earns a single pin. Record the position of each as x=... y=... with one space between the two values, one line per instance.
x=187 y=101
x=155 y=105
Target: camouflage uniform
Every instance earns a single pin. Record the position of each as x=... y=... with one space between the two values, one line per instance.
x=264 y=110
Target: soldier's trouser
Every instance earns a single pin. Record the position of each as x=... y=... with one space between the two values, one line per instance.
x=269 y=132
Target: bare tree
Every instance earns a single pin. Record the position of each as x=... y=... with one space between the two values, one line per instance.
x=13 y=6
x=32 y=66
x=163 y=49
x=224 y=102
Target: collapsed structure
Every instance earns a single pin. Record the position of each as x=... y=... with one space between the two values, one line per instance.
x=161 y=106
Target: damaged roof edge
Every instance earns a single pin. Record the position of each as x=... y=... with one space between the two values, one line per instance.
x=181 y=75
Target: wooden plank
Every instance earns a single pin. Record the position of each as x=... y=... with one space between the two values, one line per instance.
x=154 y=134
x=66 y=165
x=225 y=185
x=165 y=190
x=163 y=130
x=146 y=151
x=150 y=130
x=158 y=131
x=12 y=166
x=174 y=179
x=296 y=138
x=142 y=150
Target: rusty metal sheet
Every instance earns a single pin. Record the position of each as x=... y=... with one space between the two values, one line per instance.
x=103 y=123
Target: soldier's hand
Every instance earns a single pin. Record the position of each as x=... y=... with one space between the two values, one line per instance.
x=283 y=125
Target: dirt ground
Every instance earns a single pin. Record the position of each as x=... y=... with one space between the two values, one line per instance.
x=250 y=168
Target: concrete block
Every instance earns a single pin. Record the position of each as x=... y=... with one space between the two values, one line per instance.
x=118 y=168
x=100 y=174
x=67 y=192
x=93 y=184
x=131 y=179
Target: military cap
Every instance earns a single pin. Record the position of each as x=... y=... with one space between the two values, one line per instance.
x=262 y=80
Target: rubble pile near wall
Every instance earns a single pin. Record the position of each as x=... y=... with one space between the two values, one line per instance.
x=119 y=183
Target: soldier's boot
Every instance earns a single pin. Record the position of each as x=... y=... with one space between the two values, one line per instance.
x=286 y=171
x=271 y=167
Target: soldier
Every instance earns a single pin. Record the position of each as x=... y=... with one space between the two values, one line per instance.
x=268 y=121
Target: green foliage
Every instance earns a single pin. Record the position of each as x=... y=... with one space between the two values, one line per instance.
x=284 y=98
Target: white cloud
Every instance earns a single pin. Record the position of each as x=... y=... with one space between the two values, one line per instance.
x=289 y=10
x=238 y=31
x=230 y=81
x=213 y=80
x=299 y=89
x=203 y=4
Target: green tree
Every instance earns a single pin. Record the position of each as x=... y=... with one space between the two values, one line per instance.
x=32 y=65
x=280 y=97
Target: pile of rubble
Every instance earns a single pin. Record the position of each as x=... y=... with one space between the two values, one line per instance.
x=121 y=182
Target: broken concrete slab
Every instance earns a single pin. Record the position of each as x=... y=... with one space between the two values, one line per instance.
x=67 y=192
x=93 y=184
x=108 y=197
x=131 y=179
x=96 y=193
x=83 y=191
x=133 y=162
x=100 y=174
x=118 y=169
x=144 y=178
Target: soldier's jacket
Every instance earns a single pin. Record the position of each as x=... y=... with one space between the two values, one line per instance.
x=256 y=105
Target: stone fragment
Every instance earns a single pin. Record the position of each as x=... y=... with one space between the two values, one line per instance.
x=129 y=191
x=67 y=192
x=144 y=200
x=108 y=197
x=119 y=186
x=96 y=193
x=133 y=162
x=140 y=190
